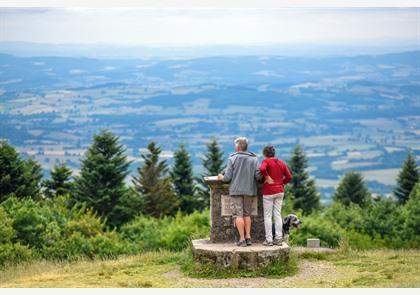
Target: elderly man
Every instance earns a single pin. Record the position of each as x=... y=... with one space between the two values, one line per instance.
x=242 y=173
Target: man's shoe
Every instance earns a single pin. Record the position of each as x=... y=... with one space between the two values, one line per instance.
x=267 y=243
x=241 y=243
x=278 y=242
x=248 y=242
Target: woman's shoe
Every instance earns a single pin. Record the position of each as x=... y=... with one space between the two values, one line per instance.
x=278 y=242
x=267 y=243
x=248 y=242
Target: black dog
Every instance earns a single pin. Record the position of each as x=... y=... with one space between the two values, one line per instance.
x=291 y=220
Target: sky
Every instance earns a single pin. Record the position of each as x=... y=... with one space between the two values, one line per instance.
x=211 y=27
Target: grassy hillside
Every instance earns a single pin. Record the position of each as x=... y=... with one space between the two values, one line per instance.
x=375 y=268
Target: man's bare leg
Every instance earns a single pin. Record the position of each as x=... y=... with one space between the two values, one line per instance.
x=239 y=221
x=247 y=220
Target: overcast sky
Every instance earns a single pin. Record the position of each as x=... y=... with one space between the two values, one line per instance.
x=180 y=27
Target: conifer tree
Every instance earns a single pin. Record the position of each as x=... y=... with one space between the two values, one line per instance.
x=101 y=182
x=302 y=187
x=11 y=171
x=213 y=163
x=182 y=178
x=60 y=183
x=352 y=189
x=18 y=177
x=154 y=186
x=213 y=160
x=407 y=179
x=32 y=177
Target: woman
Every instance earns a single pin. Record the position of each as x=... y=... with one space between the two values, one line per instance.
x=277 y=175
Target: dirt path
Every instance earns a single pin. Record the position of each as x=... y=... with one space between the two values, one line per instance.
x=308 y=271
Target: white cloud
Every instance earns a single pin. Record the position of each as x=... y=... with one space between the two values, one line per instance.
x=179 y=27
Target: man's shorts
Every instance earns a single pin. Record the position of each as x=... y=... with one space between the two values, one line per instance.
x=241 y=205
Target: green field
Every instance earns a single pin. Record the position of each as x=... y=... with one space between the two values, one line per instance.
x=377 y=268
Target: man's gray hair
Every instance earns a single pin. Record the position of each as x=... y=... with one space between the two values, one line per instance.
x=242 y=143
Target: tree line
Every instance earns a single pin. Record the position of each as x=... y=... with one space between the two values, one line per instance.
x=158 y=190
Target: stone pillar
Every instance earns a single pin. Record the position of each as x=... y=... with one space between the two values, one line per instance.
x=222 y=224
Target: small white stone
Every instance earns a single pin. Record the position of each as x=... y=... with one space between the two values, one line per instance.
x=312 y=243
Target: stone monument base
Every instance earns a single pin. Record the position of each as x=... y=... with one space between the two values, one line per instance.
x=228 y=255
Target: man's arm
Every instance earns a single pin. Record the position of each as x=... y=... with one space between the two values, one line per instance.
x=227 y=177
x=258 y=175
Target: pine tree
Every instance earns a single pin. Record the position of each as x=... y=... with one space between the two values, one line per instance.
x=101 y=182
x=154 y=186
x=302 y=186
x=213 y=160
x=182 y=178
x=32 y=178
x=407 y=179
x=213 y=163
x=11 y=171
x=60 y=183
x=352 y=189
x=18 y=177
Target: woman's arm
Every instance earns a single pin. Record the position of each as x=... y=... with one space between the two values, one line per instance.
x=263 y=169
x=287 y=175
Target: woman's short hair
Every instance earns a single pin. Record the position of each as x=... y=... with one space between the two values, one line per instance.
x=269 y=151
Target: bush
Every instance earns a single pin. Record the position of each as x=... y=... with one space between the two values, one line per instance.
x=411 y=213
x=34 y=225
x=378 y=224
x=55 y=231
x=10 y=253
x=6 y=228
x=183 y=228
x=88 y=225
x=351 y=217
x=172 y=233
x=14 y=254
x=144 y=232
x=317 y=226
x=361 y=241
x=384 y=220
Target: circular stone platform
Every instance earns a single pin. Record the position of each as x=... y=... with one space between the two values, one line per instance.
x=228 y=255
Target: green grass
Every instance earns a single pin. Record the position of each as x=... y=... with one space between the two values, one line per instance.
x=373 y=268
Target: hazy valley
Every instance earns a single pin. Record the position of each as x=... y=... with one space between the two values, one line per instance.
x=349 y=113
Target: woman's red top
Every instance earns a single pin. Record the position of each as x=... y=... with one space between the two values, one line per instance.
x=278 y=171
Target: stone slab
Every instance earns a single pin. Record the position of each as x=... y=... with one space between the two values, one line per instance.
x=228 y=255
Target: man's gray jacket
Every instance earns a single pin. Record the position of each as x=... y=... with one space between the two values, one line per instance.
x=243 y=173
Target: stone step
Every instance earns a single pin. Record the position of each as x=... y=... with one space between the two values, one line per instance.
x=228 y=255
